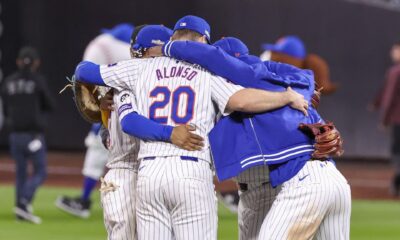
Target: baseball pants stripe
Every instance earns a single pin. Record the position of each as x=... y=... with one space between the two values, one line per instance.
x=176 y=200
x=314 y=204
x=119 y=205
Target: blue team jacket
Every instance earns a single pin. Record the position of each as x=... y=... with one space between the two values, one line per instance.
x=241 y=141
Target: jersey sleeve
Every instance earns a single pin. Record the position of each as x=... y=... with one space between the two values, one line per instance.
x=212 y=58
x=122 y=75
x=221 y=91
x=125 y=103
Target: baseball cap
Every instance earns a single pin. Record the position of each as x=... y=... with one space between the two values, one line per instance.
x=290 y=45
x=194 y=23
x=236 y=48
x=152 y=35
x=122 y=31
x=233 y=46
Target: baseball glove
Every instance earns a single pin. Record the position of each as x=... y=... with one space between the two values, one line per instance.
x=86 y=97
x=328 y=142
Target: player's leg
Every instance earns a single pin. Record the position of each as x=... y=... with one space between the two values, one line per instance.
x=19 y=151
x=118 y=197
x=93 y=168
x=336 y=224
x=191 y=199
x=39 y=161
x=152 y=216
x=256 y=198
x=254 y=204
x=301 y=205
x=395 y=152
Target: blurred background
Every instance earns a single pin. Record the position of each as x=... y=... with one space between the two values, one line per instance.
x=353 y=36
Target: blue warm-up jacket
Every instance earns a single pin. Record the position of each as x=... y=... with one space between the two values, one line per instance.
x=241 y=141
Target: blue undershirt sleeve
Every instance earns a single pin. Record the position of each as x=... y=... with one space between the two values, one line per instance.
x=214 y=59
x=89 y=72
x=145 y=129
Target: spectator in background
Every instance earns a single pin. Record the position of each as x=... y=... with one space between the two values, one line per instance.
x=26 y=100
x=388 y=103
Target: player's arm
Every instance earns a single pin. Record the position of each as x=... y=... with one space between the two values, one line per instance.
x=256 y=101
x=213 y=59
x=141 y=127
x=288 y=75
x=230 y=98
x=121 y=75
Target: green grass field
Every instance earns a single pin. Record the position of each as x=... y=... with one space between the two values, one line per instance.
x=370 y=220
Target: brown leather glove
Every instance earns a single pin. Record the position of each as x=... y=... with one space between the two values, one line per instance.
x=328 y=142
x=316 y=97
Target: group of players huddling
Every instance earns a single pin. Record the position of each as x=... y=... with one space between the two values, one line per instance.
x=184 y=109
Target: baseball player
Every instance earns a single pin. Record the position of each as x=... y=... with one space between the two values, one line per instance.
x=118 y=189
x=284 y=194
x=109 y=47
x=176 y=199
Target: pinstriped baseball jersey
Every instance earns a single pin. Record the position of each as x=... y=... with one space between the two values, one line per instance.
x=123 y=148
x=172 y=92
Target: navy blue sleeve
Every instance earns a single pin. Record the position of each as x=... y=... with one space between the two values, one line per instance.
x=145 y=129
x=89 y=72
x=213 y=59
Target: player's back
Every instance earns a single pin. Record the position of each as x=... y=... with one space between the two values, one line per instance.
x=105 y=49
x=175 y=92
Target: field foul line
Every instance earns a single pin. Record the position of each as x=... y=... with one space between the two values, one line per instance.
x=51 y=170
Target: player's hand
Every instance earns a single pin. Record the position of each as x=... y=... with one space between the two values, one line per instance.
x=155 y=51
x=107 y=102
x=297 y=101
x=183 y=137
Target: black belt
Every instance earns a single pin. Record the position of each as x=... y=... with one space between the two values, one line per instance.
x=185 y=158
x=244 y=186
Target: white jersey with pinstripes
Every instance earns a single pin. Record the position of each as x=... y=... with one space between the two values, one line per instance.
x=123 y=147
x=172 y=92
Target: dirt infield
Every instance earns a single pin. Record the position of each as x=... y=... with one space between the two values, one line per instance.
x=368 y=179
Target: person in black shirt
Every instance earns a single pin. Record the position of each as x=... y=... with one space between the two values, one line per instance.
x=26 y=100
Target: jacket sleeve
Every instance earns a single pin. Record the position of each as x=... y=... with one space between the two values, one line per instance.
x=213 y=59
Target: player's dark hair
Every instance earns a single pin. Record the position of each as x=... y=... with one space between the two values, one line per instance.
x=189 y=34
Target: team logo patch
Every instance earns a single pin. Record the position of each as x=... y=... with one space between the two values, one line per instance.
x=157 y=42
x=182 y=24
x=124 y=97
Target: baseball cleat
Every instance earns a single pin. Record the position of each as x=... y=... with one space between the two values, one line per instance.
x=74 y=206
x=23 y=214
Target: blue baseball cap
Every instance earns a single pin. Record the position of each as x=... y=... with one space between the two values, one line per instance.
x=196 y=24
x=121 y=32
x=233 y=46
x=290 y=45
x=236 y=48
x=152 y=35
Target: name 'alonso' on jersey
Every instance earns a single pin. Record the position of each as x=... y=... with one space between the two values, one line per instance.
x=172 y=92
